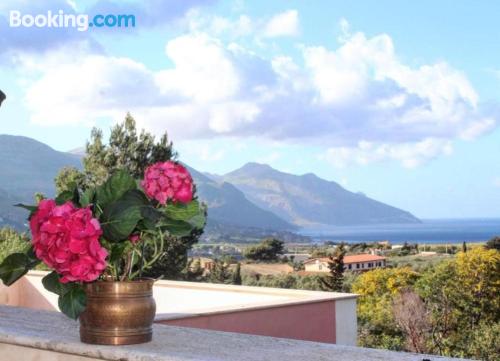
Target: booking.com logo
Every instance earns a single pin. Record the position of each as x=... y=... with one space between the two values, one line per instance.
x=61 y=20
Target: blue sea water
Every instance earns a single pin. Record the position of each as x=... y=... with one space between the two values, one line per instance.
x=429 y=231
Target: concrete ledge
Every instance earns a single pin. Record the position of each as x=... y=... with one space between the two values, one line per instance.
x=297 y=314
x=23 y=332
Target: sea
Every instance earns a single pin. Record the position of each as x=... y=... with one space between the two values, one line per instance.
x=432 y=231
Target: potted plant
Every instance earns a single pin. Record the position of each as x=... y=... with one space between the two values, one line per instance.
x=98 y=242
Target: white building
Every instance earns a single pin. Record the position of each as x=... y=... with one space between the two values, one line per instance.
x=357 y=262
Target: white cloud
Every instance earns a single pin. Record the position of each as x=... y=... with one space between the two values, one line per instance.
x=96 y=86
x=203 y=69
x=283 y=24
x=359 y=100
x=478 y=128
x=496 y=182
x=410 y=155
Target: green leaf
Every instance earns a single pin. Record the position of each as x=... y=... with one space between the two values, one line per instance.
x=177 y=219
x=183 y=212
x=175 y=227
x=178 y=215
x=51 y=283
x=135 y=197
x=117 y=251
x=87 y=197
x=119 y=219
x=73 y=303
x=31 y=209
x=15 y=266
x=151 y=217
x=64 y=197
x=70 y=195
x=114 y=188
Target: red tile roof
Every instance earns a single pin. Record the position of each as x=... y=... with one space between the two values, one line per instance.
x=352 y=258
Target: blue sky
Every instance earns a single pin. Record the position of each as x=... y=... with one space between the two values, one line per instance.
x=399 y=100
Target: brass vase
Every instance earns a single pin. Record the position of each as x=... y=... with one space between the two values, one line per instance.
x=118 y=313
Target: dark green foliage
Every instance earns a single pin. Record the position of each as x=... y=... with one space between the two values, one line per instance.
x=72 y=298
x=12 y=241
x=493 y=243
x=334 y=280
x=236 y=278
x=220 y=273
x=194 y=272
x=16 y=265
x=68 y=176
x=290 y=281
x=72 y=303
x=408 y=249
x=126 y=149
x=172 y=264
x=268 y=249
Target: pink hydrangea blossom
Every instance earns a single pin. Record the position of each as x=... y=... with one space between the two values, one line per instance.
x=165 y=181
x=66 y=239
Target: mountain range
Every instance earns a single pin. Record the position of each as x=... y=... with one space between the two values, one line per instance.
x=254 y=196
x=309 y=201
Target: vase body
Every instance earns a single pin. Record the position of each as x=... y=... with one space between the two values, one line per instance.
x=118 y=313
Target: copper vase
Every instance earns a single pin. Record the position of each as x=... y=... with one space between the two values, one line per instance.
x=118 y=313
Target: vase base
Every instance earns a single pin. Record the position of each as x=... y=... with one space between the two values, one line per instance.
x=115 y=340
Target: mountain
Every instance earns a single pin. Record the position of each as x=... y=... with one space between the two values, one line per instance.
x=10 y=215
x=28 y=166
x=308 y=200
x=228 y=205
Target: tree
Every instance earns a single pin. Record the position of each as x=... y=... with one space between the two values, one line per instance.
x=485 y=342
x=236 y=280
x=378 y=289
x=493 y=243
x=125 y=149
x=464 y=247
x=12 y=241
x=220 y=272
x=462 y=294
x=135 y=152
x=267 y=250
x=410 y=314
x=193 y=271
x=334 y=281
x=67 y=177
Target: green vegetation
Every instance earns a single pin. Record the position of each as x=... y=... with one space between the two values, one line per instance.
x=220 y=272
x=335 y=279
x=268 y=249
x=12 y=241
x=290 y=281
x=126 y=148
x=493 y=243
x=448 y=309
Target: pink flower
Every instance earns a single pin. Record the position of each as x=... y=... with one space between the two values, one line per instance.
x=165 y=181
x=66 y=239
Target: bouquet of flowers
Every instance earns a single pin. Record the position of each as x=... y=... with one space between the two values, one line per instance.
x=111 y=232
